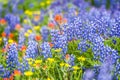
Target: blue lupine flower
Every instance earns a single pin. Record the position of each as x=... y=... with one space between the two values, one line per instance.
x=105 y=70
x=32 y=49
x=12 y=58
x=44 y=33
x=88 y=75
x=46 y=50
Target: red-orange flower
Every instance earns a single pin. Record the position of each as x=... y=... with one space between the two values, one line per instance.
x=51 y=25
x=58 y=18
x=3 y=21
x=37 y=37
x=11 y=35
x=67 y=57
x=23 y=48
x=17 y=26
x=17 y=73
x=3 y=34
x=51 y=45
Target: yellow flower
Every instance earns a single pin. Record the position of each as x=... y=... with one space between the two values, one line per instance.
x=36 y=12
x=26 y=34
x=48 y=78
x=29 y=59
x=25 y=21
x=10 y=41
x=29 y=31
x=28 y=12
x=36 y=27
x=51 y=60
x=42 y=4
x=76 y=67
x=28 y=73
x=67 y=65
x=38 y=61
x=48 y=2
x=0 y=39
x=30 y=63
x=81 y=58
x=58 y=50
x=62 y=64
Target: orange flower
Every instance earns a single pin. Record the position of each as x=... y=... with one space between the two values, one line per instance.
x=51 y=25
x=58 y=18
x=65 y=20
x=23 y=48
x=51 y=45
x=17 y=73
x=36 y=17
x=17 y=26
x=67 y=57
x=3 y=21
x=37 y=37
x=11 y=35
x=3 y=34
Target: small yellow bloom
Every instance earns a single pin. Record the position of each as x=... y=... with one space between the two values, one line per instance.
x=51 y=60
x=10 y=41
x=76 y=67
x=29 y=31
x=48 y=78
x=30 y=63
x=81 y=58
x=36 y=12
x=38 y=61
x=25 y=21
x=48 y=2
x=58 y=50
x=28 y=12
x=36 y=27
x=26 y=34
x=62 y=64
x=42 y=4
x=67 y=65
x=28 y=73
x=0 y=39
x=29 y=59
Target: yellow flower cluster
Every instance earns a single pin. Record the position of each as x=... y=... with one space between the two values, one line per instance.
x=81 y=58
x=28 y=33
x=28 y=73
x=62 y=64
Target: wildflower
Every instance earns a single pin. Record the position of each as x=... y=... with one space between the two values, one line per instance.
x=88 y=75
x=42 y=4
x=36 y=27
x=0 y=39
x=81 y=58
x=44 y=67
x=11 y=35
x=67 y=56
x=62 y=64
x=58 y=50
x=29 y=31
x=51 y=60
x=29 y=59
x=25 y=21
x=48 y=78
x=36 y=12
x=37 y=37
x=37 y=17
x=51 y=25
x=58 y=18
x=23 y=48
x=17 y=26
x=28 y=73
x=2 y=21
x=26 y=34
x=10 y=41
x=51 y=45
x=75 y=67
x=27 y=12
x=3 y=34
x=38 y=61
x=17 y=73
x=67 y=65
